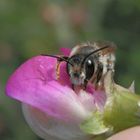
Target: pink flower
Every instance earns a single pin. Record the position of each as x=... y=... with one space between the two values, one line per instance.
x=50 y=105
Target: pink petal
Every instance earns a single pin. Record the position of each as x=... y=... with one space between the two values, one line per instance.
x=35 y=83
x=65 y=51
x=99 y=96
x=100 y=99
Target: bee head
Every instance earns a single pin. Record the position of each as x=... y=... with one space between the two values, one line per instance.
x=84 y=64
x=80 y=71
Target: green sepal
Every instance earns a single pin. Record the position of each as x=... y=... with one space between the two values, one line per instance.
x=94 y=125
x=121 y=111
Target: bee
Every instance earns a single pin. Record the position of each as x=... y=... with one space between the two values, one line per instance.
x=89 y=63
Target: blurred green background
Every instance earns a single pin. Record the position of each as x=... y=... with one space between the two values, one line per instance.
x=32 y=27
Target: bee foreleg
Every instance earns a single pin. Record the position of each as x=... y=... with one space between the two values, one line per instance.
x=59 y=60
x=58 y=70
x=99 y=76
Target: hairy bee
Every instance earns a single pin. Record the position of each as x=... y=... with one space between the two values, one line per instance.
x=89 y=63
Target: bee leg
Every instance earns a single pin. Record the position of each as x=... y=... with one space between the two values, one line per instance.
x=84 y=86
x=58 y=70
x=73 y=86
x=59 y=60
x=99 y=82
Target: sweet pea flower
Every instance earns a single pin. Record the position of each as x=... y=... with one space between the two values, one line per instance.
x=55 y=111
x=50 y=105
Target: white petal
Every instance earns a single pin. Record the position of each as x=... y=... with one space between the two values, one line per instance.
x=49 y=128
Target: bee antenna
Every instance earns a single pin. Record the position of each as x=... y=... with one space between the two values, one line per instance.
x=63 y=58
x=94 y=52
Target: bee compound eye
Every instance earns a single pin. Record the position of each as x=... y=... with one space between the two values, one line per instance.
x=89 y=62
x=89 y=67
x=76 y=60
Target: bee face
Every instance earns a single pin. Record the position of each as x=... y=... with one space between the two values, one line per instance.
x=76 y=71
x=81 y=71
x=89 y=66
